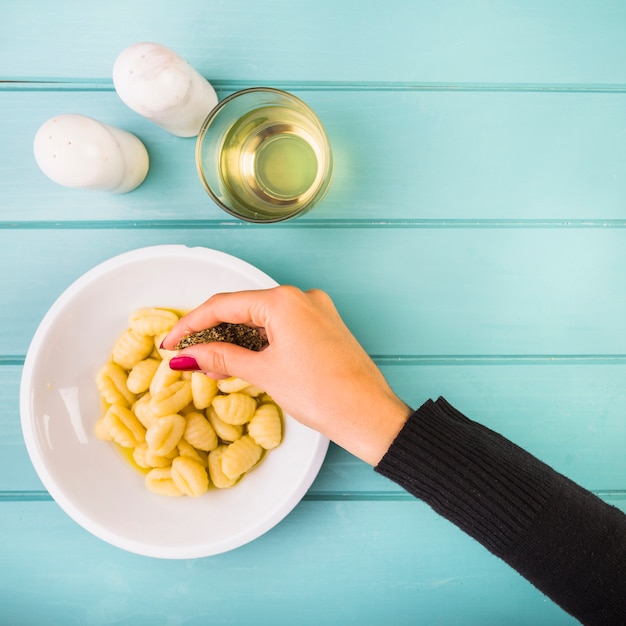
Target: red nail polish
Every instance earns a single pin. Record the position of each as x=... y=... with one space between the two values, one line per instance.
x=184 y=363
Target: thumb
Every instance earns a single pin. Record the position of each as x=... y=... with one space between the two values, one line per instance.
x=219 y=359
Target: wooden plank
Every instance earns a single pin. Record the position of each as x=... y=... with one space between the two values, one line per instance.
x=451 y=41
x=570 y=416
x=356 y=562
x=440 y=292
x=425 y=157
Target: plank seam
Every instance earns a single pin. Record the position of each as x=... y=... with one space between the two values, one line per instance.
x=36 y=83
x=42 y=495
x=178 y=224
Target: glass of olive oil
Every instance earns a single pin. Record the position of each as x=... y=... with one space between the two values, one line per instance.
x=263 y=155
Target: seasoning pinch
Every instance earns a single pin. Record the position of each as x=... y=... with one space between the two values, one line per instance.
x=239 y=334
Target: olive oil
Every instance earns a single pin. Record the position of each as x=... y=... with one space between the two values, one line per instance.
x=270 y=159
x=263 y=155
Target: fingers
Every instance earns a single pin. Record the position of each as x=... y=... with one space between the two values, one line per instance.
x=219 y=360
x=241 y=307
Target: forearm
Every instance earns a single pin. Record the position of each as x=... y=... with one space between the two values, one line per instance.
x=563 y=539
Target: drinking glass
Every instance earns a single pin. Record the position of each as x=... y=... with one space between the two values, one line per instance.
x=263 y=155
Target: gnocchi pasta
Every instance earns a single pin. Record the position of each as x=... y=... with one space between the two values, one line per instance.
x=185 y=432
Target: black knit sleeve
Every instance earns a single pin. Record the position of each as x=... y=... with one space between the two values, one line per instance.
x=567 y=542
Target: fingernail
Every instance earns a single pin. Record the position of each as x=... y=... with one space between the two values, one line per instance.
x=184 y=363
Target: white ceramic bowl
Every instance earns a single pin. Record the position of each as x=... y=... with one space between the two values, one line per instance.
x=87 y=477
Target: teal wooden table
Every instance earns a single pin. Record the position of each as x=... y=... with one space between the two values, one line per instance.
x=479 y=201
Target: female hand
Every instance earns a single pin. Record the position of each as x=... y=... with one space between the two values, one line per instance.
x=313 y=367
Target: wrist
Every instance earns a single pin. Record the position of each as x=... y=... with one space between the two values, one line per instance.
x=374 y=433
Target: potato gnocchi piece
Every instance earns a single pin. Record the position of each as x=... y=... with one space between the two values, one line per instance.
x=170 y=455
x=146 y=458
x=123 y=426
x=226 y=432
x=218 y=478
x=241 y=456
x=199 y=432
x=186 y=449
x=141 y=375
x=265 y=426
x=162 y=352
x=152 y=321
x=144 y=413
x=139 y=456
x=163 y=377
x=189 y=476
x=111 y=382
x=171 y=399
x=130 y=348
x=203 y=390
x=163 y=437
x=101 y=431
x=232 y=384
x=252 y=391
x=235 y=408
x=159 y=480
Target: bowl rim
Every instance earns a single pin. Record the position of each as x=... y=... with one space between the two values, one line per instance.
x=28 y=419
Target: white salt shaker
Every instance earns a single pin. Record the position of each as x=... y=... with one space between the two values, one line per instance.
x=155 y=82
x=79 y=151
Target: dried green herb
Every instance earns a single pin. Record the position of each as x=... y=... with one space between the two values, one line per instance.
x=239 y=334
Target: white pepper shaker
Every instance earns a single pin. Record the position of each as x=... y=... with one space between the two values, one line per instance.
x=81 y=152
x=155 y=82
